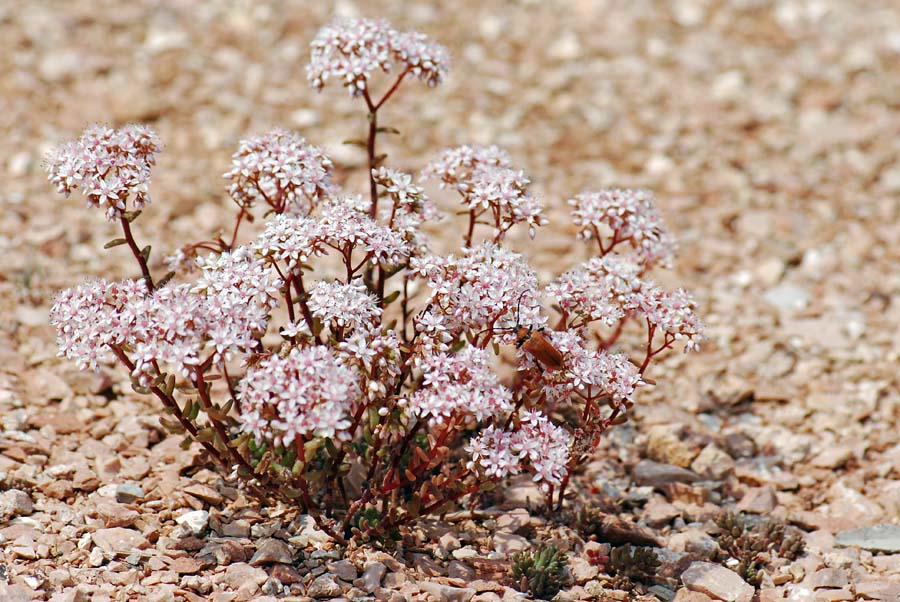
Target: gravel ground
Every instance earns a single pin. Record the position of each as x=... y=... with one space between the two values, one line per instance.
x=768 y=131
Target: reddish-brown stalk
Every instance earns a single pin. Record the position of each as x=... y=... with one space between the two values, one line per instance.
x=302 y=297
x=373 y=163
x=311 y=507
x=203 y=391
x=138 y=255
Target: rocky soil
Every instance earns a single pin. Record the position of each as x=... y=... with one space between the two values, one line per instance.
x=768 y=130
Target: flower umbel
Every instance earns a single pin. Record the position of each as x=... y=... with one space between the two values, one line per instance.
x=630 y=216
x=282 y=170
x=111 y=167
x=350 y=51
x=308 y=392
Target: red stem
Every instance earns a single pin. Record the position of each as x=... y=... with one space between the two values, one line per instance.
x=237 y=225
x=129 y=238
x=203 y=391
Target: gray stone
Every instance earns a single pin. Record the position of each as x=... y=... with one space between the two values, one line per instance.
x=582 y=570
x=15 y=593
x=272 y=551
x=665 y=445
x=196 y=521
x=758 y=500
x=465 y=553
x=241 y=574
x=694 y=542
x=713 y=463
x=309 y=534
x=372 y=576
x=654 y=474
x=460 y=570
x=342 y=569
x=446 y=544
x=324 y=586
x=508 y=543
x=119 y=541
x=236 y=528
x=659 y=512
x=880 y=538
x=15 y=502
x=447 y=593
x=829 y=578
x=686 y=595
x=514 y=520
x=717 y=582
x=128 y=493
x=885 y=591
x=833 y=457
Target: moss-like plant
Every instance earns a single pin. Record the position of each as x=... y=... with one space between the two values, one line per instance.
x=631 y=565
x=755 y=547
x=540 y=572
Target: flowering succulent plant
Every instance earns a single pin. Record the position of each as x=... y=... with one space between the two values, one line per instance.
x=374 y=393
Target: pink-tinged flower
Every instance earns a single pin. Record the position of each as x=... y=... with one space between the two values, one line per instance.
x=377 y=355
x=409 y=207
x=239 y=293
x=545 y=446
x=350 y=51
x=176 y=327
x=488 y=288
x=241 y=275
x=282 y=170
x=290 y=241
x=344 y=227
x=628 y=216
x=492 y=453
x=169 y=330
x=594 y=373
x=111 y=167
x=597 y=289
x=503 y=194
x=91 y=317
x=433 y=334
x=461 y=384
x=183 y=259
x=297 y=328
x=308 y=392
x=537 y=443
x=489 y=186
x=673 y=313
x=341 y=306
x=456 y=166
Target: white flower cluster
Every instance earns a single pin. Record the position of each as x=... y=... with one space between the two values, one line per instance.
x=350 y=51
x=631 y=217
x=282 y=170
x=309 y=391
x=344 y=306
x=109 y=166
x=292 y=240
x=537 y=442
x=488 y=184
x=595 y=373
x=461 y=384
x=409 y=208
x=609 y=288
x=489 y=287
x=179 y=327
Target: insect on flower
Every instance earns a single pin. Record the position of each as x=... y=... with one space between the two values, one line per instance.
x=532 y=341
